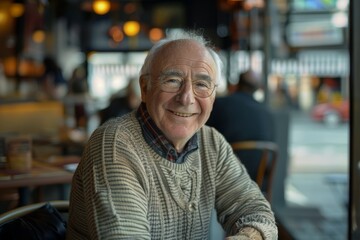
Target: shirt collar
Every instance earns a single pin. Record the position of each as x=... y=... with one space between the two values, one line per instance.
x=157 y=140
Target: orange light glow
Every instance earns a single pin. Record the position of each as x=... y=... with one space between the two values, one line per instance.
x=131 y=28
x=250 y=4
x=38 y=36
x=101 y=7
x=116 y=34
x=17 y=9
x=3 y=17
x=156 y=34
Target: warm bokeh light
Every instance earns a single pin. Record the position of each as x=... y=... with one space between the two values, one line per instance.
x=101 y=7
x=23 y=67
x=156 y=34
x=249 y=4
x=3 y=17
x=38 y=36
x=17 y=9
x=116 y=34
x=10 y=66
x=131 y=28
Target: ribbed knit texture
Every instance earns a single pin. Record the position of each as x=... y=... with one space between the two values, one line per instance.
x=122 y=189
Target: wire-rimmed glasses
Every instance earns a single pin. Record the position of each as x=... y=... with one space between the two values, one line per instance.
x=202 y=88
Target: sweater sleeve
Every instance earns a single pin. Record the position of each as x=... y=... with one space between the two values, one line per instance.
x=239 y=201
x=115 y=188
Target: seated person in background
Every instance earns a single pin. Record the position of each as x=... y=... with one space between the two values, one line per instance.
x=158 y=172
x=78 y=89
x=240 y=117
x=52 y=82
x=121 y=104
x=78 y=84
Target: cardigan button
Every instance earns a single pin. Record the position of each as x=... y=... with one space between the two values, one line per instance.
x=192 y=207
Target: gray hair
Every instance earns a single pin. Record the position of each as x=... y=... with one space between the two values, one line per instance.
x=184 y=35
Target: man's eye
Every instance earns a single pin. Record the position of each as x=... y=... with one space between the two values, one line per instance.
x=172 y=82
x=202 y=84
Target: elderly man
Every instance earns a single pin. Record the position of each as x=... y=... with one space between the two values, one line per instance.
x=158 y=172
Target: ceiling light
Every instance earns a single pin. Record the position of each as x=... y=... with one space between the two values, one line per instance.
x=131 y=28
x=38 y=36
x=156 y=34
x=17 y=9
x=101 y=7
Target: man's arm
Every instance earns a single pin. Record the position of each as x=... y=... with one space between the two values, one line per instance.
x=114 y=189
x=240 y=203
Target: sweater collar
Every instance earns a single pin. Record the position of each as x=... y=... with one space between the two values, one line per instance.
x=157 y=140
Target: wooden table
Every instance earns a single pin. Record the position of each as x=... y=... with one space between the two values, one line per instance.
x=42 y=173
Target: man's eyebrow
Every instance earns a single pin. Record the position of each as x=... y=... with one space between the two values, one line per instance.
x=201 y=76
x=180 y=74
x=171 y=72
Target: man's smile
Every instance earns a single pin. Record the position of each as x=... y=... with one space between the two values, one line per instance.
x=180 y=114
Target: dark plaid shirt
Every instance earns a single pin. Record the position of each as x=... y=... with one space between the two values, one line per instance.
x=157 y=140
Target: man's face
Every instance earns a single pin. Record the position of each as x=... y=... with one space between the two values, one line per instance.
x=179 y=115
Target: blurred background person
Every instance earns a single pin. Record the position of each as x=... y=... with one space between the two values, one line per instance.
x=3 y=82
x=78 y=90
x=240 y=117
x=279 y=98
x=52 y=82
x=121 y=103
x=78 y=81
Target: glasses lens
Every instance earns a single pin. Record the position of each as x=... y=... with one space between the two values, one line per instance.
x=171 y=85
x=201 y=88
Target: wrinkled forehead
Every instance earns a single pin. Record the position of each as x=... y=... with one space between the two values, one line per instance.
x=185 y=53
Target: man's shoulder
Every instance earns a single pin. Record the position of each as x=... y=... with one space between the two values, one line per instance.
x=117 y=125
x=210 y=133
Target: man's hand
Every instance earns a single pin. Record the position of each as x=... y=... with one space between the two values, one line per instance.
x=247 y=233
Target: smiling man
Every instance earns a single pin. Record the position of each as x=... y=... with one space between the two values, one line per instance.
x=158 y=172
x=181 y=98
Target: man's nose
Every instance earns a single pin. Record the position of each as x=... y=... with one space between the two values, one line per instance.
x=186 y=94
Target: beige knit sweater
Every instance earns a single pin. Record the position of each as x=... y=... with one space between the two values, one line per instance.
x=122 y=189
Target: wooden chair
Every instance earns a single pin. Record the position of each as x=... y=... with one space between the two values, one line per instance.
x=265 y=153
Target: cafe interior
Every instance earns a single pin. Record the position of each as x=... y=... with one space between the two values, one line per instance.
x=99 y=45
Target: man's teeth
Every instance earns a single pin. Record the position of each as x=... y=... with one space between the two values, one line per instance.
x=182 y=114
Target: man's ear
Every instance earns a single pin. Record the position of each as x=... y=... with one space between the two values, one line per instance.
x=143 y=87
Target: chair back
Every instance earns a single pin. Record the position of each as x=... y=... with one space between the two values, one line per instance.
x=259 y=157
x=61 y=205
x=35 y=221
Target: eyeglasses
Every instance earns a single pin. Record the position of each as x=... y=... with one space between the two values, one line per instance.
x=201 y=88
